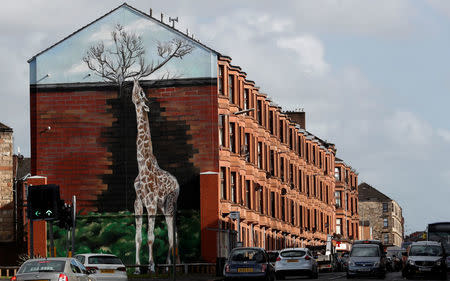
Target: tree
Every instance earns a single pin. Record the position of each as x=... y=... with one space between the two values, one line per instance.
x=126 y=58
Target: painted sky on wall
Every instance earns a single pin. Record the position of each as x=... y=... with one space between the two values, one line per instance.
x=372 y=76
x=63 y=62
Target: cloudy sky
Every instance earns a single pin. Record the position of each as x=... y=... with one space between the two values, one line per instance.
x=371 y=75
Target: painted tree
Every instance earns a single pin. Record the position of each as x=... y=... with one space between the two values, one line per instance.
x=125 y=59
x=156 y=189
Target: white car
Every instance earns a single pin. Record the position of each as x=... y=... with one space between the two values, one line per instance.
x=104 y=266
x=296 y=262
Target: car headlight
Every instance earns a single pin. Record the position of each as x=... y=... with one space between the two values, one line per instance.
x=439 y=263
x=376 y=264
x=411 y=262
x=351 y=263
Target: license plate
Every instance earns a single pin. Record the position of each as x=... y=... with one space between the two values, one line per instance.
x=245 y=269
x=107 y=270
x=292 y=260
x=425 y=268
x=364 y=269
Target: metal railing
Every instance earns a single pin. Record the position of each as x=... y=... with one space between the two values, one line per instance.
x=8 y=271
x=185 y=268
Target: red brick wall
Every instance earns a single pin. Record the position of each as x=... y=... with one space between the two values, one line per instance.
x=74 y=152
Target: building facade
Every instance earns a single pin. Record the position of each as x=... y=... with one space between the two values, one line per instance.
x=346 y=195
x=6 y=185
x=382 y=214
x=232 y=150
x=277 y=175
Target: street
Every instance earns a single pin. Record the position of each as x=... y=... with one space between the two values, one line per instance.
x=322 y=276
x=341 y=276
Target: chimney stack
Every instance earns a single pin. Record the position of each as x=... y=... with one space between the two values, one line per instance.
x=298 y=117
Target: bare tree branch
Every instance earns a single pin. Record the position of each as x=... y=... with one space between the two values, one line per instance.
x=126 y=58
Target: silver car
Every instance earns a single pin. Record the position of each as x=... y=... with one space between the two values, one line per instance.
x=52 y=269
x=295 y=262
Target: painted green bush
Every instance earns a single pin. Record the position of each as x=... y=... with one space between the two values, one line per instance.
x=115 y=233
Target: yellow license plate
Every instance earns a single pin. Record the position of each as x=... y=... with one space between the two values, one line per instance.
x=292 y=260
x=107 y=270
x=245 y=269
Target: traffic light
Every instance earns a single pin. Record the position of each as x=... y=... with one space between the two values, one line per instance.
x=65 y=216
x=43 y=201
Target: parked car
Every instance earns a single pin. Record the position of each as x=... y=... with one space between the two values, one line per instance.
x=104 y=266
x=249 y=263
x=426 y=258
x=52 y=269
x=295 y=262
x=367 y=258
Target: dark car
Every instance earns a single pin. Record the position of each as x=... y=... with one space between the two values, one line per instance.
x=249 y=263
x=367 y=258
x=426 y=258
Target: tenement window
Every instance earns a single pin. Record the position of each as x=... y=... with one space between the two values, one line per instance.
x=231 y=88
x=233 y=187
x=232 y=137
x=385 y=207
x=385 y=222
x=337 y=173
x=220 y=80
x=247 y=194
x=223 y=183
x=222 y=130
x=337 y=194
x=260 y=155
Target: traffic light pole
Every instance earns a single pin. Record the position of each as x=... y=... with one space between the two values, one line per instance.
x=74 y=210
x=31 y=239
x=52 y=245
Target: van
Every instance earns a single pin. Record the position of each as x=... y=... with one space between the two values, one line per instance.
x=367 y=258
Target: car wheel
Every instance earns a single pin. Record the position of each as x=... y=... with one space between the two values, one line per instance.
x=348 y=276
x=444 y=275
x=280 y=276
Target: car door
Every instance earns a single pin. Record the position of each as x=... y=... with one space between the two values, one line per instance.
x=84 y=272
x=78 y=271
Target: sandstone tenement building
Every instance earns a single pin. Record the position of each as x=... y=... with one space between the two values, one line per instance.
x=230 y=147
x=382 y=214
x=6 y=184
x=346 y=195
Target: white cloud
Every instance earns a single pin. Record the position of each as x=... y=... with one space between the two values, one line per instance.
x=444 y=134
x=441 y=6
x=405 y=128
x=309 y=51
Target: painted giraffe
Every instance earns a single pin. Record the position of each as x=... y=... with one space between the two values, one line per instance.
x=156 y=189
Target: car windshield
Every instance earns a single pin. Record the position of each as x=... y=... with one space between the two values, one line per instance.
x=43 y=266
x=293 y=253
x=425 y=250
x=247 y=255
x=368 y=251
x=104 y=260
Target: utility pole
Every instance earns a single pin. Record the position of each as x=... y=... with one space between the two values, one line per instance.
x=74 y=210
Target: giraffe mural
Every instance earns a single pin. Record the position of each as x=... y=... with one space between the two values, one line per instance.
x=156 y=189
